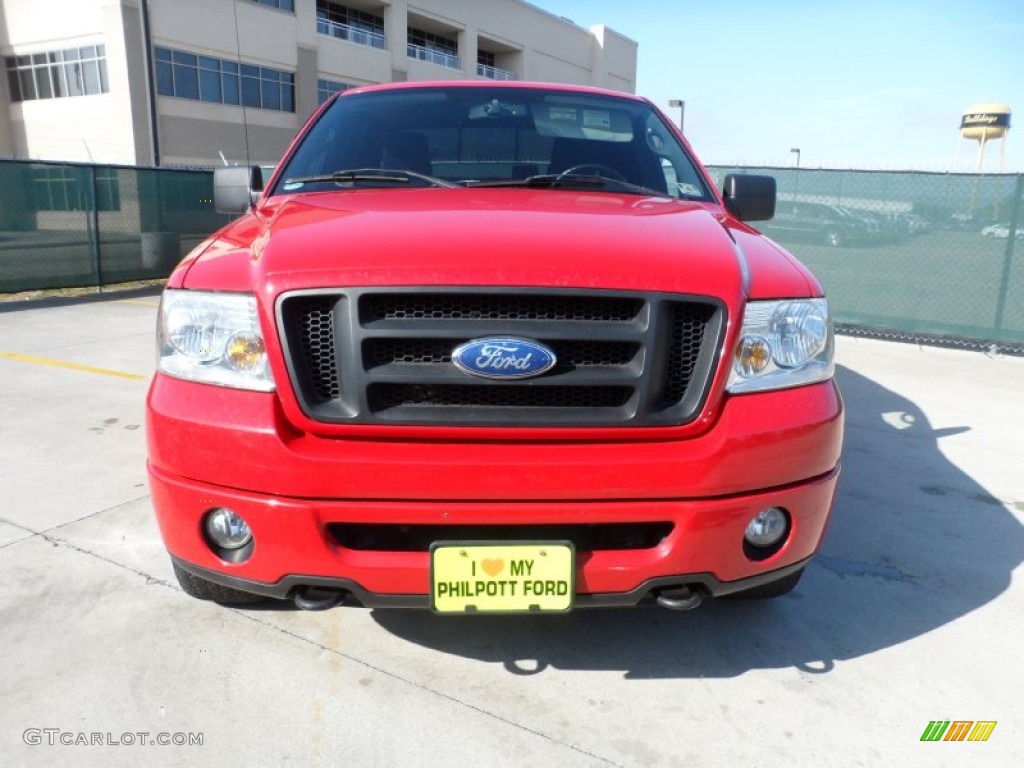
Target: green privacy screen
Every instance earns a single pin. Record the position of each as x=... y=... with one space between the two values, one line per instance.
x=917 y=253
x=65 y=226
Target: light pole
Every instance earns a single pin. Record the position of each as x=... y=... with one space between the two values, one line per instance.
x=682 y=111
x=796 y=174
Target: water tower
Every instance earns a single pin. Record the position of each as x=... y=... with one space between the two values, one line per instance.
x=984 y=123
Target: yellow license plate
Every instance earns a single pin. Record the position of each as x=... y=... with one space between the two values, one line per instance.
x=502 y=578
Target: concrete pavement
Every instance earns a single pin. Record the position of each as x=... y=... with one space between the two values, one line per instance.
x=911 y=613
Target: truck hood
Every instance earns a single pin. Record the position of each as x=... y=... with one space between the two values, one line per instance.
x=510 y=237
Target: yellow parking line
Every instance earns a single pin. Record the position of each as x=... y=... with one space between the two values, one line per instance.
x=71 y=366
x=153 y=304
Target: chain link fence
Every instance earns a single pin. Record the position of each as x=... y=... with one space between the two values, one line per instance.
x=69 y=225
x=910 y=256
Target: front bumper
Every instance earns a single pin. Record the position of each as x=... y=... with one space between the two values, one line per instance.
x=292 y=545
x=213 y=447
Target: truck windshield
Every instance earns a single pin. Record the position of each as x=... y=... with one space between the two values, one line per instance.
x=492 y=137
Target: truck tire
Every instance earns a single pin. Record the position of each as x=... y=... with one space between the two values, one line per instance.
x=201 y=589
x=778 y=588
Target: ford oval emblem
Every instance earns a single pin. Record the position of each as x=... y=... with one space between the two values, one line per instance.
x=503 y=358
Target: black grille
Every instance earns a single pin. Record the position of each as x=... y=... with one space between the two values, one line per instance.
x=385 y=356
x=418 y=538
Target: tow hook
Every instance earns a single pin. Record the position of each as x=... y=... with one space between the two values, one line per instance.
x=679 y=598
x=317 y=598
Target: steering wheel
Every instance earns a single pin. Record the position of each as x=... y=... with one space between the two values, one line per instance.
x=601 y=170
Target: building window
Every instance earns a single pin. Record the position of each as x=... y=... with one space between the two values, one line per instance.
x=350 y=24
x=218 y=81
x=485 y=67
x=108 y=190
x=427 y=46
x=63 y=188
x=283 y=5
x=327 y=88
x=57 y=74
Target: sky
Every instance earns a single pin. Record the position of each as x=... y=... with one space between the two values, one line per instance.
x=874 y=84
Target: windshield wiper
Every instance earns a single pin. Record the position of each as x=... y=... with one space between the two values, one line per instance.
x=568 y=181
x=375 y=175
x=545 y=181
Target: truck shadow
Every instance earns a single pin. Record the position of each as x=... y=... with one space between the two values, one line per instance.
x=914 y=544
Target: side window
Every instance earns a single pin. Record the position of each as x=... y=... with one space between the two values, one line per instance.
x=681 y=178
x=671 y=180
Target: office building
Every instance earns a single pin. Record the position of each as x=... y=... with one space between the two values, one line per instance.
x=187 y=82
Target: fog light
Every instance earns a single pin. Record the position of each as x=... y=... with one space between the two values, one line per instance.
x=227 y=529
x=766 y=528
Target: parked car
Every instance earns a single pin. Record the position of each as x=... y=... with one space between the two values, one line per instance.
x=471 y=349
x=963 y=222
x=1001 y=231
x=907 y=223
x=879 y=228
x=801 y=221
x=885 y=227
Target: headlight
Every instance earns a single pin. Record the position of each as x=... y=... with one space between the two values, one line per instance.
x=782 y=344
x=214 y=338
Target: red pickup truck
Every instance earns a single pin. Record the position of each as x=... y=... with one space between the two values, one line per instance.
x=492 y=348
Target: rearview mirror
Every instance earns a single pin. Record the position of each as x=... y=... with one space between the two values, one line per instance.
x=749 y=197
x=237 y=188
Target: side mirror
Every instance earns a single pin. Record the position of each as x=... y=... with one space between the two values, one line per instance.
x=236 y=189
x=749 y=197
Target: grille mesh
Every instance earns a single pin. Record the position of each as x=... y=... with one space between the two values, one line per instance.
x=375 y=308
x=385 y=396
x=316 y=334
x=687 y=334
